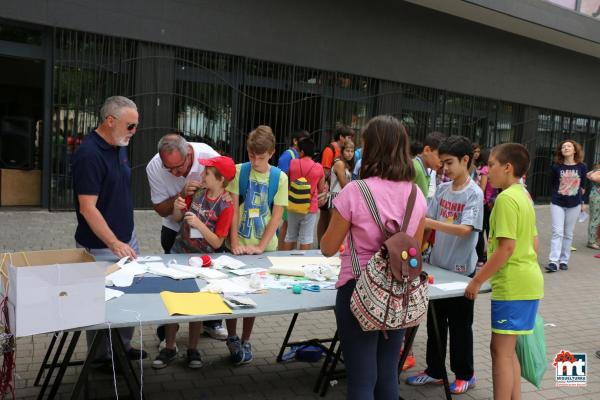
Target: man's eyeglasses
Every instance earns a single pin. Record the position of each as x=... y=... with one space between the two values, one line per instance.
x=130 y=127
x=177 y=167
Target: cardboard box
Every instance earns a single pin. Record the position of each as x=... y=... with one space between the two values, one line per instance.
x=20 y=187
x=53 y=290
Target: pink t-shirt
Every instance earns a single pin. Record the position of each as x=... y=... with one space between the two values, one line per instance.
x=391 y=198
x=489 y=190
x=313 y=172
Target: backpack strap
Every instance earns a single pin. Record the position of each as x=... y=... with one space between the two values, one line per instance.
x=409 y=208
x=244 y=180
x=368 y=196
x=366 y=193
x=274 y=174
x=292 y=154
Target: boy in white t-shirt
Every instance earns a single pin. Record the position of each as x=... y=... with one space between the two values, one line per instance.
x=456 y=214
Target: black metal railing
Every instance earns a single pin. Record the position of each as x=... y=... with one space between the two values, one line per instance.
x=219 y=98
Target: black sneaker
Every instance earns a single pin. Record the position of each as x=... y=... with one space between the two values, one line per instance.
x=598 y=354
x=563 y=266
x=135 y=354
x=552 y=267
x=193 y=358
x=164 y=358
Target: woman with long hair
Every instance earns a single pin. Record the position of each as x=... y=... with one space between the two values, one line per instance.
x=371 y=360
x=568 y=175
x=341 y=171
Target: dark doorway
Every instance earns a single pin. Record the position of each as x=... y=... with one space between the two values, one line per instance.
x=21 y=115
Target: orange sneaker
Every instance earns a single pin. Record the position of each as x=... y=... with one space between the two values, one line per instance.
x=410 y=362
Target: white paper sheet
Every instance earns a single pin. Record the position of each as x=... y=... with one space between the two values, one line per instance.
x=299 y=261
x=247 y=271
x=148 y=259
x=135 y=268
x=119 y=278
x=232 y=286
x=228 y=262
x=122 y=261
x=204 y=273
x=161 y=269
x=111 y=294
x=450 y=286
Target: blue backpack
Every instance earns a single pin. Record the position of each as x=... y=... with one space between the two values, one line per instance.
x=245 y=181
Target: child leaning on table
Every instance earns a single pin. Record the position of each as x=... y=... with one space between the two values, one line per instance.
x=517 y=282
x=207 y=222
x=456 y=213
x=255 y=219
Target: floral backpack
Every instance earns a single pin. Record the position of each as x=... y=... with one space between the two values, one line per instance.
x=392 y=292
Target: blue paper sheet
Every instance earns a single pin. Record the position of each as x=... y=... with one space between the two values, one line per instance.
x=151 y=284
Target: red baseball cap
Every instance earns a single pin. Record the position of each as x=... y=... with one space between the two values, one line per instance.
x=223 y=164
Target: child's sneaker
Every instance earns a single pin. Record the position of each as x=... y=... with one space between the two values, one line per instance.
x=410 y=362
x=216 y=331
x=460 y=386
x=163 y=358
x=247 y=347
x=421 y=379
x=193 y=358
x=235 y=349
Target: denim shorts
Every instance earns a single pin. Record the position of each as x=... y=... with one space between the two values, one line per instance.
x=301 y=228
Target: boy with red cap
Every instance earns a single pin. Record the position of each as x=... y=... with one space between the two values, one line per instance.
x=207 y=219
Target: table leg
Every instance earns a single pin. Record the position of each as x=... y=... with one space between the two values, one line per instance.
x=328 y=356
x=438 y=342
x=409 y=338
x=38 y=378
x=61 y=344
x=64 y=364
x=82 y=379
x=286 y=340
x=332 y=372
x=131 y=379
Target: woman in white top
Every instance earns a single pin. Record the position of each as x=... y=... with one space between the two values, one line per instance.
x=341 y=171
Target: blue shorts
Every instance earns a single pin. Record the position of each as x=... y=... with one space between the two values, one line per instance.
x=514 y=317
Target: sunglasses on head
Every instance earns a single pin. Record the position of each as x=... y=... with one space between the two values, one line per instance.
x=129 y=127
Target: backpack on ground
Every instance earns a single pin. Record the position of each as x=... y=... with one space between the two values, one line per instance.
x=244 y=182
x=299 y=192
x=392 y=292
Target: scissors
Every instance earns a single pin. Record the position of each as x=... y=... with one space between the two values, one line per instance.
x=311 y=288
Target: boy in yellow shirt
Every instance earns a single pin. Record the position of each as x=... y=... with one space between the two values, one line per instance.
x=516 y=278
x=259 y=193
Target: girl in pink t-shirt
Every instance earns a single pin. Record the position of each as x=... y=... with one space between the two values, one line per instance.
x=371 y=360
x=301 y=227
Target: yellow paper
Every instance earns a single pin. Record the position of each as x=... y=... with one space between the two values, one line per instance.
x=300 y=261
x=194 y=303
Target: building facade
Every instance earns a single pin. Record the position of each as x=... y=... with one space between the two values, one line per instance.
x=495 y=71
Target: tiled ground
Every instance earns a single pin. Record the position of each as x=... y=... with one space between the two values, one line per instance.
x=571 y=305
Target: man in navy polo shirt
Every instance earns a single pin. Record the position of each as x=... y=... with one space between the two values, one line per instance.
x=103 y=199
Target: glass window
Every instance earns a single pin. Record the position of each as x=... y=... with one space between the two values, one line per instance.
x=570 y=4
x=19 y=34
x=590 y=7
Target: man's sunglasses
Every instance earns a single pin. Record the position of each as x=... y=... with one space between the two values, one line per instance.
x=130 y=127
